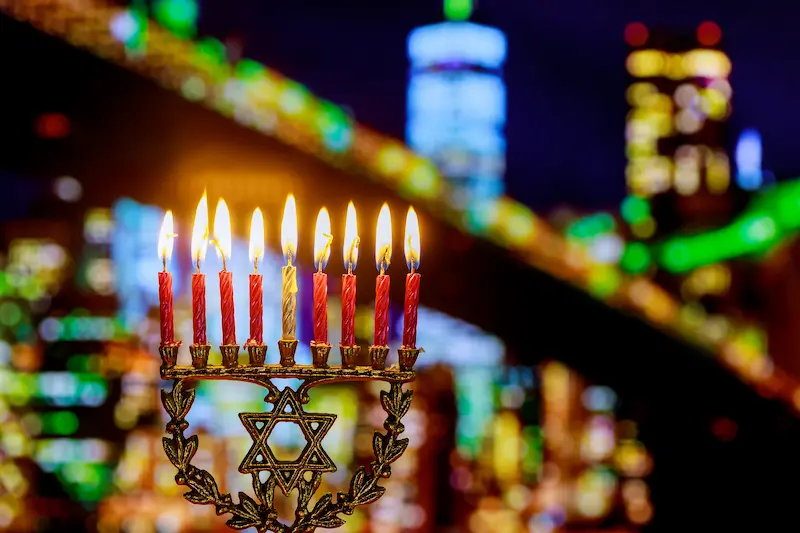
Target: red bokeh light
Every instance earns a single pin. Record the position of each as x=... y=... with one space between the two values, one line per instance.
x=52 y=126
x=636 y=34
x=708 y=33
x=724 y=429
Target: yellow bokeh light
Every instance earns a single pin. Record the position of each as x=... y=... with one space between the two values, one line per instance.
x=646 y=63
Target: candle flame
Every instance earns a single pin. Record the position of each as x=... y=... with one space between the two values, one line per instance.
x=257 y=236
x=166 y=238
x=322 y=239
x=289 y=230
x=222 y=231
x=200 y=231
x=351 y=240
x=383 y=240
x=412 y=244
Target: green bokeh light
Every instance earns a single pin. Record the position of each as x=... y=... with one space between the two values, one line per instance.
x=248 y=70
x=334 y=124
x=60 y=422
x=589 y=227
x=457 y=9
x=10 y=313
x=772 y=216
x=212 y=55
x=635 y=209
x=178 y=16
x=636 y=258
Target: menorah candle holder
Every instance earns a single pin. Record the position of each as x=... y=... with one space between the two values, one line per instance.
x=169 y=355
x=319 y=354
x=257 y=353
x=349 y=355
x=377 y=356
x=287 y=349
x=408 y=357
x=199 y=353
x=230 y=355
x=305 y=473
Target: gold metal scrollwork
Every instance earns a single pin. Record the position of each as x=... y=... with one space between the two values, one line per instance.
x=305 y=473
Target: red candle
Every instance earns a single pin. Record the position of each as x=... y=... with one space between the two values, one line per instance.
x=381 y=311
x=348 y=309
x=199 y=249
x=350 y=255
x=383 y=255
x=165 y=241
x=322 y=252
x=320 y=308
x=410 y=310
x=165 y=308
x=222 y=239
x=257 y=308
x=226 y=307
x=411 y=302
x=256 y=279
x=199 y=308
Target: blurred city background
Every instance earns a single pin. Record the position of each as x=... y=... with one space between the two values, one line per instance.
x=608 y=210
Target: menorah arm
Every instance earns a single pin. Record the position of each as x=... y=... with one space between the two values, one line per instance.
x=263 y=372
x=310 y=375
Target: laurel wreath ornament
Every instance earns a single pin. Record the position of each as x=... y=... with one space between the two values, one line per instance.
x=261 y=512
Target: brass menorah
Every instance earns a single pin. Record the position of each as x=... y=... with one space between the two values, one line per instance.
x=305 y=473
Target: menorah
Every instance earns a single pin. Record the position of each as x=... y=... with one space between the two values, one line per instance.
x=303 y=474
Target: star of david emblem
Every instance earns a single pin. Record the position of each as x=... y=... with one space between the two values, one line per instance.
x=313 y=458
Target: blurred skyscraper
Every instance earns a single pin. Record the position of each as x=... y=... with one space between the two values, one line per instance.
x=680 y=99
x=456 y=108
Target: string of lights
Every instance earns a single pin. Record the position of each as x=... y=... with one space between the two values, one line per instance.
x=262 y=99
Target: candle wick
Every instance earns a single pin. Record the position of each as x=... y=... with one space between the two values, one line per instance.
x=164 y=262
x=384 y=262
x=352 y=252
x=412 y=268
x=221 y=254
x=326 y=250
x=197 y=264
x=255 y=265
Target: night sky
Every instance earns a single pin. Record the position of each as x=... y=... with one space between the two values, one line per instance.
x=565 y=74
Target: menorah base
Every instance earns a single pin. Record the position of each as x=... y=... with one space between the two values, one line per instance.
x=303 y=474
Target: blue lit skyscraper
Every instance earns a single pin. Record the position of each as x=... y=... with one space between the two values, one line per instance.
x=749 y=175
x=457 y=103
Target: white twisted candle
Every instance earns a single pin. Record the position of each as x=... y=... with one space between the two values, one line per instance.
x=289 y=303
